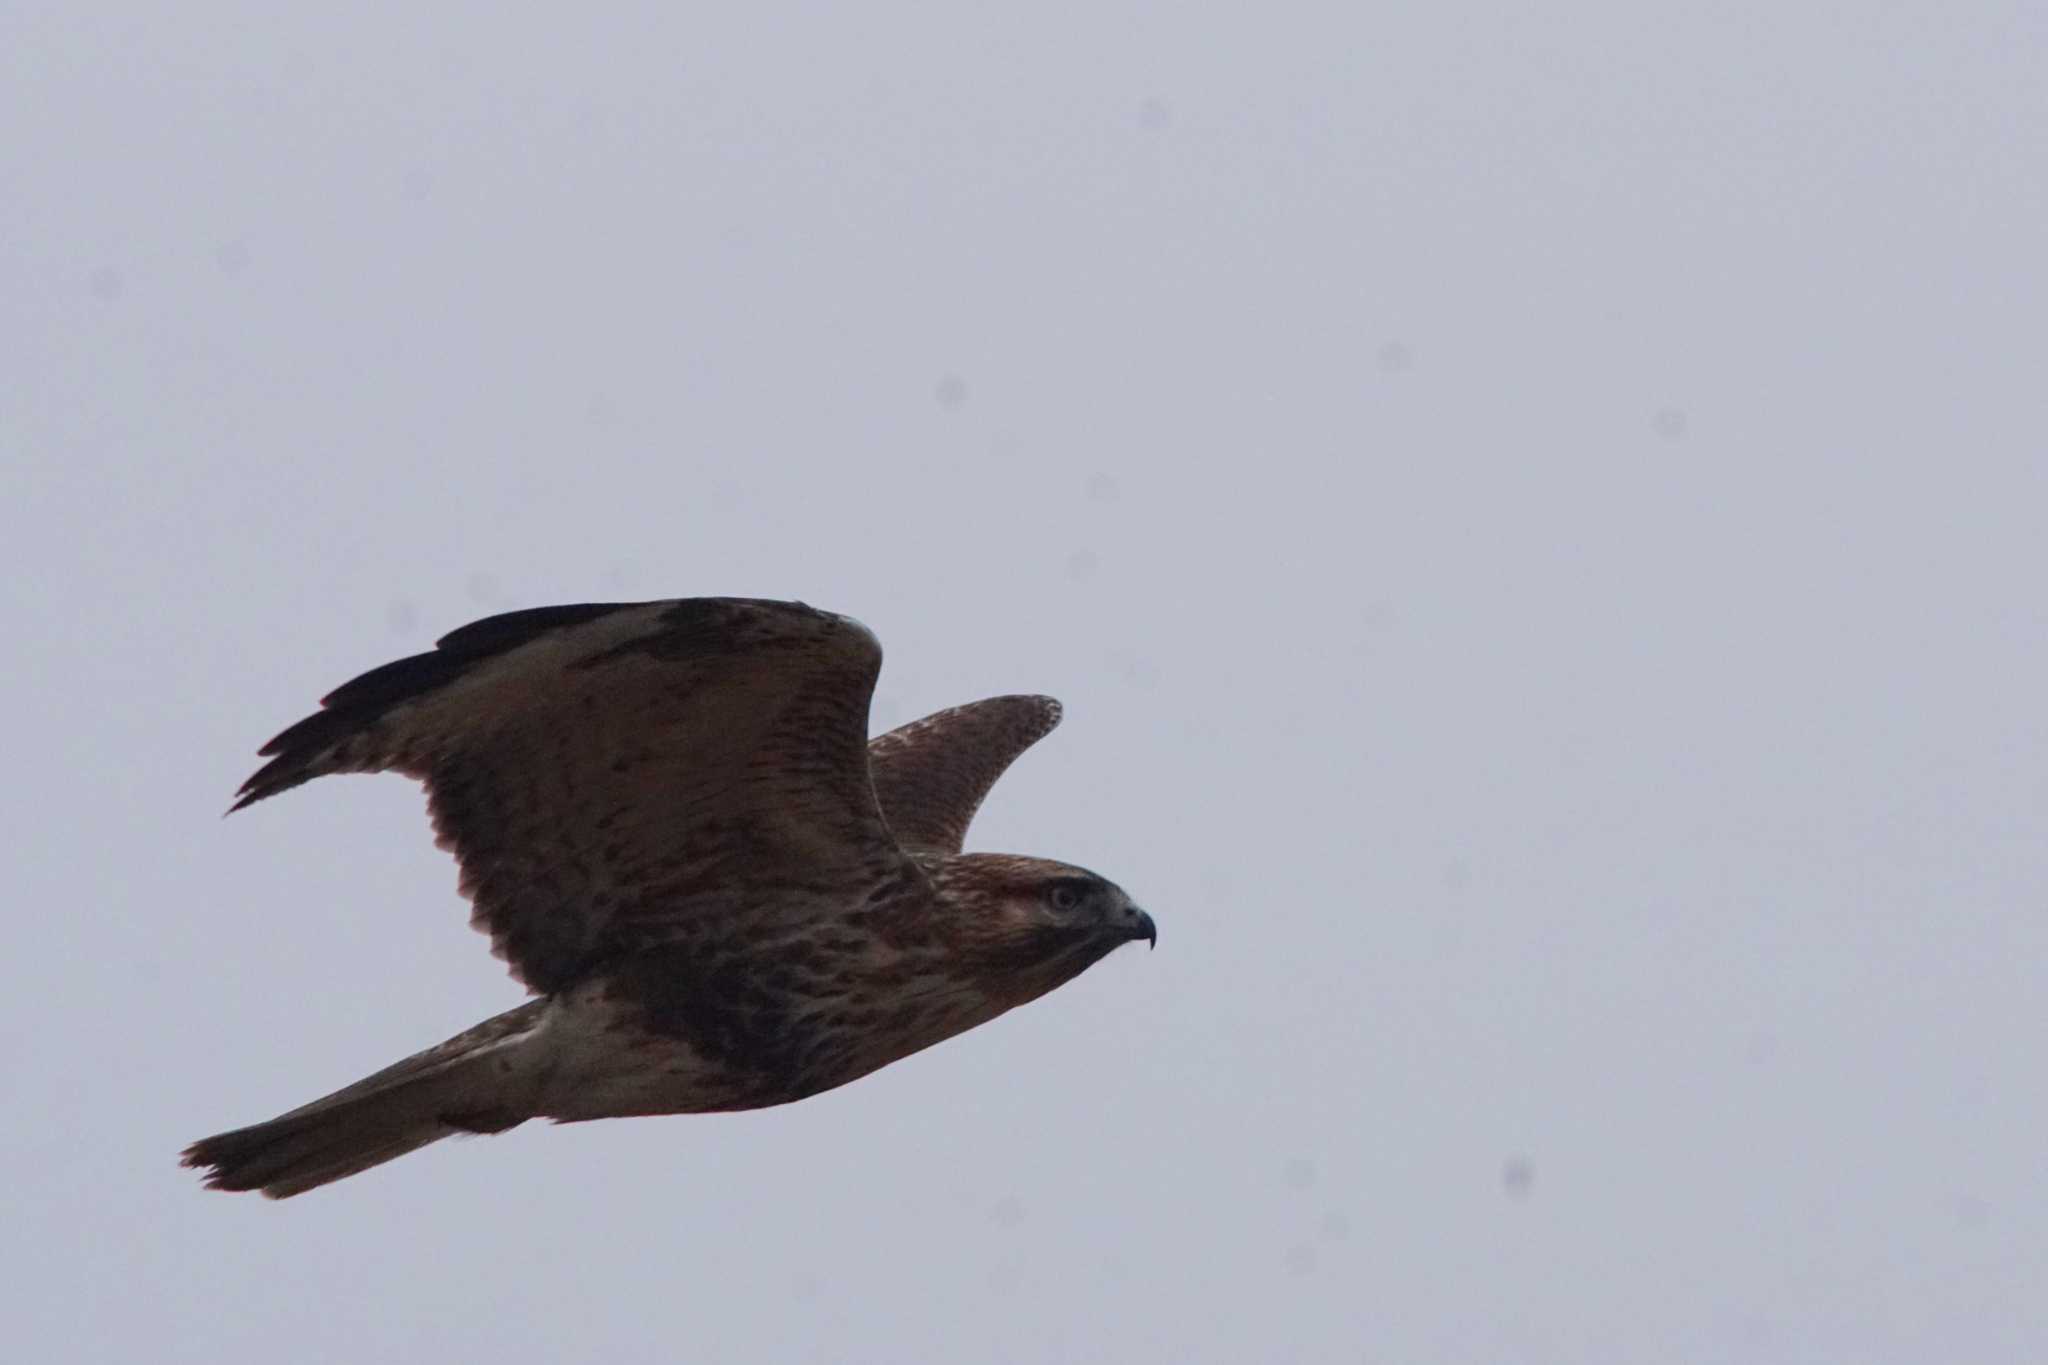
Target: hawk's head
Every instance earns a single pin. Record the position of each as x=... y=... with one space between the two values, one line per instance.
x=1026 y=925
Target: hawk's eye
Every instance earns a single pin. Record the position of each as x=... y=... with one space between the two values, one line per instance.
x=1065 y=896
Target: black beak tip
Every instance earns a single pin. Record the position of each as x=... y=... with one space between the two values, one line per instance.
x=1147 y=930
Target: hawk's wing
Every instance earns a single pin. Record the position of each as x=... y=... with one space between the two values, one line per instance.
x=610 y=775
x=931 y=774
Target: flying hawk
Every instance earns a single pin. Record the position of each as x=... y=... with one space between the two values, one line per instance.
x=673 y=826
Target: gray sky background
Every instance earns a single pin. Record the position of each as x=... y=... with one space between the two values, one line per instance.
x=1536 y=514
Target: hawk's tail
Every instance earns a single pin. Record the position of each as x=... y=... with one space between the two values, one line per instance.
x=470 y=1084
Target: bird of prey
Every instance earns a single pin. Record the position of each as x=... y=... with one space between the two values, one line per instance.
x=671 y=823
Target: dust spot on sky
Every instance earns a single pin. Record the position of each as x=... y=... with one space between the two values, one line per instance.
x=1154 y=115
x=1457 y=874
x=1395 y=357
x=1671 y=424
x=1299 y=1173
x=1083 y=565
x=231 y=257
x=951 y=391
x=1103 y=488
x=1518 y=1176
x=1003 y=1277
x=1301 y=1259
x=1007 y=1212
x=1336 y=1227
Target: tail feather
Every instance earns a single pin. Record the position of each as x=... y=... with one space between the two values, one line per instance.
x=469 y=1084
x=289 y=1156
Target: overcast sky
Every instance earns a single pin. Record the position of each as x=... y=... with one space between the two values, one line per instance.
x=1536 y=514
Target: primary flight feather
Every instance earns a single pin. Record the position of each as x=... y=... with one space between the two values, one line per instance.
x=672 y=825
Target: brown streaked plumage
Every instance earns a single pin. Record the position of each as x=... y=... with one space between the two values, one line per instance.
x=670 y=822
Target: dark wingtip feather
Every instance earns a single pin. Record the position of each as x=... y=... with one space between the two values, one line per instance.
x=495 y=634
x=280 y=774
x=296 y=750
x=249 y=793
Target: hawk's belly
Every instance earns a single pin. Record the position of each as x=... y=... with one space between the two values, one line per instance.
x=672 y=1034
x=602 y=1060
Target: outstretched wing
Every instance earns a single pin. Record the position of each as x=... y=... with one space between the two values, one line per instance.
x=615 y=776
x=931 y=775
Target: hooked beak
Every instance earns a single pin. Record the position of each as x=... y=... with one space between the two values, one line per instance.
x=1141 y=926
